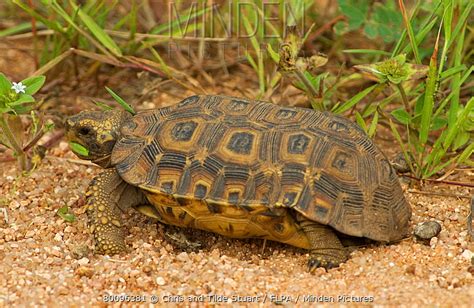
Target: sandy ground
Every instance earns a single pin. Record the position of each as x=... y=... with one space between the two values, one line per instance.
x=46 y=260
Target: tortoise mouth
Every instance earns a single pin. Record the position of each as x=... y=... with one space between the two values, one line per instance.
x=100 y=159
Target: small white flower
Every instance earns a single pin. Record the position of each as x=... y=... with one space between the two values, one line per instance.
x=19 y=87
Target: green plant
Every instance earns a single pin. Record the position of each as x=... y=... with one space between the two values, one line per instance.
x=378 y=20
x=299 y=68
x=65 y=214
x=260 y=60
x=438 y=131
x=16 y=99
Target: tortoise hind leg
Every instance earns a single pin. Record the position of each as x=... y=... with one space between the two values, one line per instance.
x=326 y=248
x=106 y=197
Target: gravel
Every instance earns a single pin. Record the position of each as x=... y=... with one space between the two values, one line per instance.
x=46 y=260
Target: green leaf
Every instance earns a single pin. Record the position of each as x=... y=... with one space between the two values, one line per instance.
x=79 y=149
x=22 y=99
x=354 y=100
x=360 y=121
x=408 y=24
x=419 y=104
x=428 y=102
x=340 y=28
x=461 y=139
x=367 y=51
x=22 y=109
x=33 y=84
x=5 y=110
x=98 y=32
x=63 y=212
x=120 y=100
x=51 y=24
x=461 y=20
x=355 y=11
x=466 y=154
x=371 y=31
x=453 y=71
x=18 y=28
x=454 y=129
x=438 y=123
x=373 y=125
x=102 y=105
x=395 y=70
x=5 y=85
x=401 y=115
x=273 y=54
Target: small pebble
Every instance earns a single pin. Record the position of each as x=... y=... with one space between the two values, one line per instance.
x=79 y=251
x=470 y=269
x=183 y=257
x=411 y=269
x=147 y=269
x=427 y=230
x=84 y=271
x=467 y=254
x=160 y=281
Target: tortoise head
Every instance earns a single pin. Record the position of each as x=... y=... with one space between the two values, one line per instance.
x=97 y=131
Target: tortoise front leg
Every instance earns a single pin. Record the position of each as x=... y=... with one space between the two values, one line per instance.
x=106 y=197
x=326 y=248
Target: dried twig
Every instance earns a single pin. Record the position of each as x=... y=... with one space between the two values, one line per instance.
x=434 y=193
x=74 y=161
x=440 y=181
x=323 y=29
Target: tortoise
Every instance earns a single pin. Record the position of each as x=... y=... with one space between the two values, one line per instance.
x=243 y=169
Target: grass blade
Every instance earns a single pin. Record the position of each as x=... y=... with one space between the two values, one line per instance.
x=368 y=52
x=258 y=52
x=54 y=25
x=18 y=29
x=461 y=22
x=120 y=100
x=98 y=32
x=59 y=10
x=430 y=89
x=456 y=84
x=355 y=99
x=373 y=125
x=53 y=63
x=402 y=145
x=410 y=32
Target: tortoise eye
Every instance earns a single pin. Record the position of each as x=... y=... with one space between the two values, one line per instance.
x=84 y=131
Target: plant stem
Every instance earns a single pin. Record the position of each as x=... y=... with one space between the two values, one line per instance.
x=404 y=98
x=13 y=142
x=311 y=90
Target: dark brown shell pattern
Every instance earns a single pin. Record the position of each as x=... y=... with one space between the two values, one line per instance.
x=241 y=152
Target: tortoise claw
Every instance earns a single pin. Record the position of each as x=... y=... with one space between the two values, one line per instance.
x=324 y=262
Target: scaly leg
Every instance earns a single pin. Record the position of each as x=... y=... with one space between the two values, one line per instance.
x=326 y=248
x=106 y=198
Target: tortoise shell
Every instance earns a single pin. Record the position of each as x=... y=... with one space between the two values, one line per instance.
x=242 y=168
